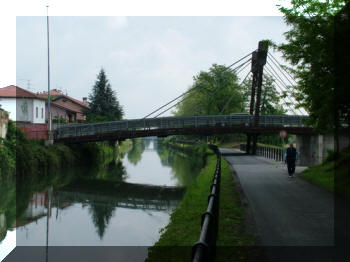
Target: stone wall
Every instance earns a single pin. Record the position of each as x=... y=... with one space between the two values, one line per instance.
x=313 y=149
x=4 y=118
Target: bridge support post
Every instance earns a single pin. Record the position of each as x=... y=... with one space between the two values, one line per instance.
x=255 y=139
x=258 y=62
x=313 y=149
x=249 y=137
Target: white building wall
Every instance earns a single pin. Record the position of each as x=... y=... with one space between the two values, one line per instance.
x=24 y=110
x=9 y=105
x=40 y=105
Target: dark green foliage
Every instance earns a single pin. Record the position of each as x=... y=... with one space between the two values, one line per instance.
x=27 y=157
x=59 y=120
x=104 y=105
x=310 y=48
x=211 y=92
x=7 y=162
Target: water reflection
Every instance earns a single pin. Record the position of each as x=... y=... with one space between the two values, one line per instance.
x=7 y=205
x=101 y=214
x=123 y=202
x=138 y=146
x=184 y=167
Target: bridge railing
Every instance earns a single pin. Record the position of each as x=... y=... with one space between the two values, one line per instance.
x=205 y=248
x=176 y=122
x=270 y=152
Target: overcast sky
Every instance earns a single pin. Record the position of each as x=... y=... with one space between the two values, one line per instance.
x=148 y=60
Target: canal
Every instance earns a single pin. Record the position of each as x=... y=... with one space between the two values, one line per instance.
x=121 y=202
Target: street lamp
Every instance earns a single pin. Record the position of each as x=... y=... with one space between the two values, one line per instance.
x=48 y=78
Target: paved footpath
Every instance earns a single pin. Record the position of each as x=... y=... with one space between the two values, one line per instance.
x=287 y=212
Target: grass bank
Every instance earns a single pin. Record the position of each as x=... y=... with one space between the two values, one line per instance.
x=184 y=228
x=332 y=175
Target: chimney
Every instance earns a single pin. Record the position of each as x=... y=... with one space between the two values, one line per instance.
x=85 y=100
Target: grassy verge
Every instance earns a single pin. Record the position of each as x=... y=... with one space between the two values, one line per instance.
x=321 y=175
x=184 y=228
x=332 y=175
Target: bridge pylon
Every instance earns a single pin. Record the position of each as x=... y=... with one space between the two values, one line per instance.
x=258 y=62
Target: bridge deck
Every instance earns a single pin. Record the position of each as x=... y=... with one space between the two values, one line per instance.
x=185 y=125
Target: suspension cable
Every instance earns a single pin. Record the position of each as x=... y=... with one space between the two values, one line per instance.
x=213 y=92
x=240 y=59
x=286 y=103
x=238 y=67
x=231 y=70
x=279 y=68
x=282 y=90
x=168 y=103
x=228 y=102
x=283 y=84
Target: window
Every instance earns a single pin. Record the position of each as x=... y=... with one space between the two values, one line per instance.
x=42 y=112
x=36 y=112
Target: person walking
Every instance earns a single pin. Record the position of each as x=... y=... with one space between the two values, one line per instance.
x=290 y=156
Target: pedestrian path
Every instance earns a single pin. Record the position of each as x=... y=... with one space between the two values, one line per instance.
x=287 y=212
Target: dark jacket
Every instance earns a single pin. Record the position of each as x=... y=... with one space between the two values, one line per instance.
x=291 y=154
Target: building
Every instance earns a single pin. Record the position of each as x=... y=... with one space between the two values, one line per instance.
x=4 y=117
x=22 y=105
x=64 y=107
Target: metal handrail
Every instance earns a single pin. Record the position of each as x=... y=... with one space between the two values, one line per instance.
x=205 y=248
x=73 y=130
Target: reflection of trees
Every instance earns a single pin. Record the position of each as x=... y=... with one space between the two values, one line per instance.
x=185 y=166
x=101 y=215
x=114 y=171
x=134 y=155
x=147 y=142
x=186 y=169
x=7 y=205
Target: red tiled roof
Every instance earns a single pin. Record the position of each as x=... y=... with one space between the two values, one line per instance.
x=57 y=93
x=15 y=91
x=64 y=107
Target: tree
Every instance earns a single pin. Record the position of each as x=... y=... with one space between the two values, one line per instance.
x=211 y=92
x=104 y=105
x=310 y=48
x=270 y=103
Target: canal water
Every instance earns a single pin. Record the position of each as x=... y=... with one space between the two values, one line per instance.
x=124 y=202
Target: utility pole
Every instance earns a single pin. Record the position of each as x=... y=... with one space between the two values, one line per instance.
x=261 y=61
x=48 y=78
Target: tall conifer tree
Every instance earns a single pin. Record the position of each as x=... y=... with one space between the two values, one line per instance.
x=104 y=105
